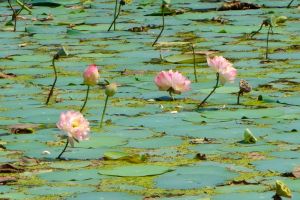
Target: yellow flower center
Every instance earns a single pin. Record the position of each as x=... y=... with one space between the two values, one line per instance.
x=75 y=123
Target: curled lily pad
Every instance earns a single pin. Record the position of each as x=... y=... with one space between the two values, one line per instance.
x=249 y=138
x=283 y=190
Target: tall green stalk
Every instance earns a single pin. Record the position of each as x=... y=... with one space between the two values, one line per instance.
x=103 y=112
x=163 y=25
x=86 y=98
x=290 y=4
x=194 y=61
x=267 y=47
x=58 y=157
x=55 y=79
x=216 y=86
x=115 y=17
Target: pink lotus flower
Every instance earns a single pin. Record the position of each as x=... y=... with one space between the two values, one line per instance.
x=174 y=82
x=222 y=66
x=74 y=124
x=91 y=75
x=228 y=75
x=218 y=63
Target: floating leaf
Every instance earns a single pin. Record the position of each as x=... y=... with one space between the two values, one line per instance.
x=185 y=58
x=136 y=170
x=117 y=155
x=106 y=196
x=192 y=177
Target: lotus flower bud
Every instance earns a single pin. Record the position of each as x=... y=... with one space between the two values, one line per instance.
x=91 y=75
x=111 y=89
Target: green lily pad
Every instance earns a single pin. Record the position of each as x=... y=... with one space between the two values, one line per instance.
x=48 y=190
x=70 y=165
x=106 y=196
x=136 y=170
x=73 y=175
x=97 y=141
x=198 y=176
x=115 y=155
x=221 y=90
x=155 y=142
x=243 y=113
x=277 y=165
x=244 y=196
x=185 y=58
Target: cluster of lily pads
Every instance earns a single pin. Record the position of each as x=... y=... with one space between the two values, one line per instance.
x=76 y=126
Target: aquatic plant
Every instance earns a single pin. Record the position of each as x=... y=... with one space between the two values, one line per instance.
x=245 y=87
x=117 y=12
x=110 y=90
x=173 y=82
x=61 y=52
x=17 y=12
x=91 y=77
x=75 y=126
x=224 y=72
x=164 y=7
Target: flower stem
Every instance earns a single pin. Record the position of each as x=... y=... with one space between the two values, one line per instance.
x=115 y=18
x=255 y=32
x=267 y=47
x=103 y=113
x=171 y=95
x=58 y=157
x=276 y=197
x=238 y=98
x=217 y=83
x=194 y=59
x=163 y=25
x=115 y=13
x=290 y=4
x=86 y=98
x=55 y=78
x=14 y=15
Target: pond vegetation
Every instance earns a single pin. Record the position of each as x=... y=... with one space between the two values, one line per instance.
x=181 y=100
